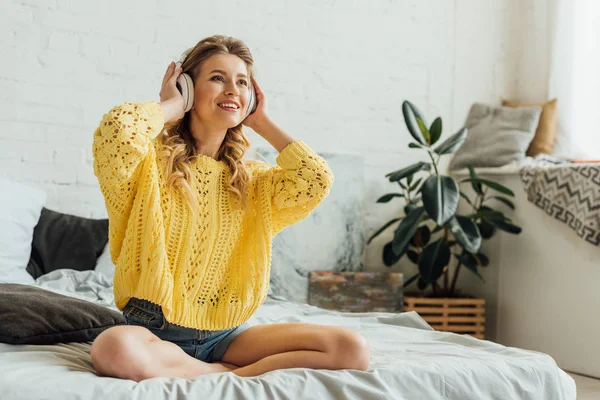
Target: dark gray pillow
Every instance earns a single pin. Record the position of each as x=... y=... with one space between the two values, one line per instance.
x=66 y=241
x=496 y=136
x=31 y=315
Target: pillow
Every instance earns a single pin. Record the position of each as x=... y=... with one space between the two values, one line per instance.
x=545 y=134
x=31 y=315
x=20 y=208
x=496 y=136
x=66 y=241
x=105 y=266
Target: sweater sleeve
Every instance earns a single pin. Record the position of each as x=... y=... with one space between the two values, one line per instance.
x=123 y=140
x=120 y=144
x=299 y=182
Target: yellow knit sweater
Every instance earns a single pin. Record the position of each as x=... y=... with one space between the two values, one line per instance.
x=209 y=272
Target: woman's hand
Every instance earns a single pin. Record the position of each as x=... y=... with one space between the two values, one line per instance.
x=171 y=100
x=259 y=117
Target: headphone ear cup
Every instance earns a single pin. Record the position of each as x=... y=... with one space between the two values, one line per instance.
x=251 y=103
x=185 y=85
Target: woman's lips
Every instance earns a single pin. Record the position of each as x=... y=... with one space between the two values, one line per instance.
x=228 y=109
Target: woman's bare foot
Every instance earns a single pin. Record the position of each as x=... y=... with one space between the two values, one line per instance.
x=202 y=368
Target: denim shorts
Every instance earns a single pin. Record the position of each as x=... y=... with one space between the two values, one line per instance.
x=204 y=345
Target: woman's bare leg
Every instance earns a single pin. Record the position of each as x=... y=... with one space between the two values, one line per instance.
x=133 y=352
x=265 y=348
x=291 y=359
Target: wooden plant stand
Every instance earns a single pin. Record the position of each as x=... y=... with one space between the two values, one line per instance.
x=458 y=315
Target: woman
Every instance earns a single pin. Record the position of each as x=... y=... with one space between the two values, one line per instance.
x=191 y=226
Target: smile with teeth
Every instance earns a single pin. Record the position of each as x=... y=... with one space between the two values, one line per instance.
x=228 y=106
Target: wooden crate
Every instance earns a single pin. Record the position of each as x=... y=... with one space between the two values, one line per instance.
x=356 y=291
x=462 y=315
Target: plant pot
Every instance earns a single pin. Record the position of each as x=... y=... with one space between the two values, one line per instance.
x=458 y=315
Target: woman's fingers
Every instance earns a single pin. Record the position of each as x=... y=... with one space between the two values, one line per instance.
x=168 y=73
x=176 y=74
x=256 y=87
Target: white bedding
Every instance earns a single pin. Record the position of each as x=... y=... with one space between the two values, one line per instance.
x=409 y=361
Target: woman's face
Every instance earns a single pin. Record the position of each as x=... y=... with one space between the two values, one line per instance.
x=223 y=79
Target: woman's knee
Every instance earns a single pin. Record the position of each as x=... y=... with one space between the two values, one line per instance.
x=352 y=350
x=119 y=352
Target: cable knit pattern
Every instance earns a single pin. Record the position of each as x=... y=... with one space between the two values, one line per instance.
x=210 y=271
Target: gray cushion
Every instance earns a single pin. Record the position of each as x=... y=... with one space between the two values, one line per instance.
x=496 y=136
x=31 y=315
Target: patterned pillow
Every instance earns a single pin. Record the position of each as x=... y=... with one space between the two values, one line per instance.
x=496 y=136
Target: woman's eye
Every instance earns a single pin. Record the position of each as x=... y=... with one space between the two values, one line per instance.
x=244 y=82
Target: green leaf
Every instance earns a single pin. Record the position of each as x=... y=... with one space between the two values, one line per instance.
x=420 y=146
x=464 y=196
x=414 y=185
x=413 y=256
x=453 y=143
x=409 y=179
x=383 y=228
x=436 y=130
x=388 y=197
x=490 y=184
x=440 y=198
x=469 y=261
x=404 y=172
x=422 y=283
x=488 y=214
x=466 y=232
x=411 y=280
x=424 y=130
x=486 y=229
x=389 y=256
x=476 y=185
x=406 y=230
x=408 y=110
x=433 y=260
x=504 y=200
x=507 y=227
x=482 y=259
x=421 y=237
x=411 y=206
x=489 y=209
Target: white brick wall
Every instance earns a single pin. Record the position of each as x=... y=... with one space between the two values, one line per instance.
x=335 y=74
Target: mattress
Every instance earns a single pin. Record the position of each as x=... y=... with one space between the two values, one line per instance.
x=409 y=361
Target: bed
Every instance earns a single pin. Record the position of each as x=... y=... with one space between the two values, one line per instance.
x=409 y=361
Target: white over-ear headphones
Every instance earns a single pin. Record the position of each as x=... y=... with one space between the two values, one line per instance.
x=186 y=87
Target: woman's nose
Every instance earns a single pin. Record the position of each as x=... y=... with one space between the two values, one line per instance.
x=232 y=89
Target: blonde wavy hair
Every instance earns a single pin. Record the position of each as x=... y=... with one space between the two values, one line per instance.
x=179 y=144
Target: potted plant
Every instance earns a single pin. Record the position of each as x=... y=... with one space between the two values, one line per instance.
x=433 y=235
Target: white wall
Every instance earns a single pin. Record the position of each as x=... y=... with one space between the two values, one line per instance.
x=335 y=73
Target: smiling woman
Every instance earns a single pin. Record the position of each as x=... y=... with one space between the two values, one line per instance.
x=192 y=223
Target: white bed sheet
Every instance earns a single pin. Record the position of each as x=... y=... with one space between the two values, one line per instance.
x=409 y=361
